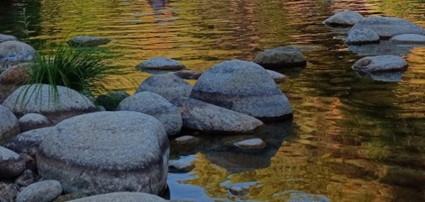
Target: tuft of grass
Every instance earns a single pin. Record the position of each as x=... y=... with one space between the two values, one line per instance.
x=82 y=69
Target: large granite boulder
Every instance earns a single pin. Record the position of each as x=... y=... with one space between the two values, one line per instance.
x=344 y=18
x=12 y=78
x=9 y=125
x=362 y=36
x=414 y=39
x=160 y=63
x=156 y=106
x=198 y=115
x=106 y=152
x=43 y=99
x=5 y=37
x=11 y=164
x=168 y=86
x=29 y=141
x=89 y=41
x=14 y=52
x=43 y=191
x=387 y=27
x=380 y=63
x=121 y=197
x=281 y=57
x=244 y=87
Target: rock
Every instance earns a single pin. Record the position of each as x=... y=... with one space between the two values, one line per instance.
x=41 y=99
x=33 y=121
x=180 y=166
x=387 y=27
x=382 y=76
x=383 y=47
x=12 y=78
x=344 y=18
x=26 y=178
x=276 y=76
x=187 y=139
x=43 y=191
x=9 y=125
x=14 y=52
x=238 y=191
x=362 y=36
x=90 y=41
x=29 y=141
x=409 y=39
x=8 y=191
x=198 y=115
x=112 y=99
x=106 y=151
x=188 y=74
x=281 y=57
x=71 y=196
x=11 y=164
x=160 y=63
x=303 y=197
x=5 y=37
x=251 y=144
x=380 y=64
x=156 y=106
x=122 y=197
x=29 y=161
x=168 y=86
x=244 y=87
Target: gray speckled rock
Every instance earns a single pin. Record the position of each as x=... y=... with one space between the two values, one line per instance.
x=380 y=63
x=33 y=121
x=90 y=41
x=276 y=76
x=244 y=87
x=122 y=197
x=12 y=78
x=14 y=52
x=344 y=18
x=168 y=86
x=25 y=179
x=43 y=191
x=387 y=27
x=156 y=106
x=251 y=144
x=8 y=191
x=160 y=63
x=29 y=141
x=198 y=115
x=362 y=36
x=9 y=125
x=11 y=164
x=409 y=39
x=188 y=74
x=103 y=152
x=281 y=57
x=5 y=37
x=304 y=197
x=40 y=98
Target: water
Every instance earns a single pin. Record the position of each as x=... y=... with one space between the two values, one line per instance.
x=351 y=138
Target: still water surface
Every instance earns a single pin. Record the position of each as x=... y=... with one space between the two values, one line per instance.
x=351 y=138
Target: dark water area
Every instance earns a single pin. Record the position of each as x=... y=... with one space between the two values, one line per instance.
x=351 y=138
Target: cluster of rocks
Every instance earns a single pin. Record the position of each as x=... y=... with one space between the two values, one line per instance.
x=382 y=39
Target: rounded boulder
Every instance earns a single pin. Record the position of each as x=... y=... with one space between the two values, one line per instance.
x=168 y=86
x=362 y=36
x=243 y=87
x=381 y=63
x=344 y=18
x=5 y=37
x=43 y=191
x=105 y=152
x=14 y=52
x=11 y=164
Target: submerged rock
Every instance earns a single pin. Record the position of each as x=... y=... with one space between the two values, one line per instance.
x=43 y=191
x=380 y=63
x=90 y=41
x=11 y=164
x=415 y=39
x=186 y=139
x=160 y=63
x=121 y=197
x=168 y=86
x=33 y=121
x=243 y=87
x=251 y=144
x=281 y=57
x=5 y=37
x=42 y=99
x=362 y=36
x=15 y=52
x=9 y=125
x=383 y=47
x=344 y=18
x=198 y=115
x=104 y=152
x=156 y=106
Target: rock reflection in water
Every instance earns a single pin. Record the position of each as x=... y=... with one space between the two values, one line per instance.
x=382 y=76
x=384 y=47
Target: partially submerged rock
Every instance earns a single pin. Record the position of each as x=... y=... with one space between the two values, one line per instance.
x=198 y=115
x=414 y=39
x=251 y=144
x=344 y=18
x=156 y=106
x=168 y=86
x=105 y=152
x=380 y=63
x=43 y=191
x=362 y=36
x=90 y=41
x=160 y=63
x=243 y=87
x=9 y=125
x=122 y=197
x=281 y=57
x=43 y=99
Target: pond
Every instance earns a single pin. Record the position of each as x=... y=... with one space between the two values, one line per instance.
x=351 y=138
